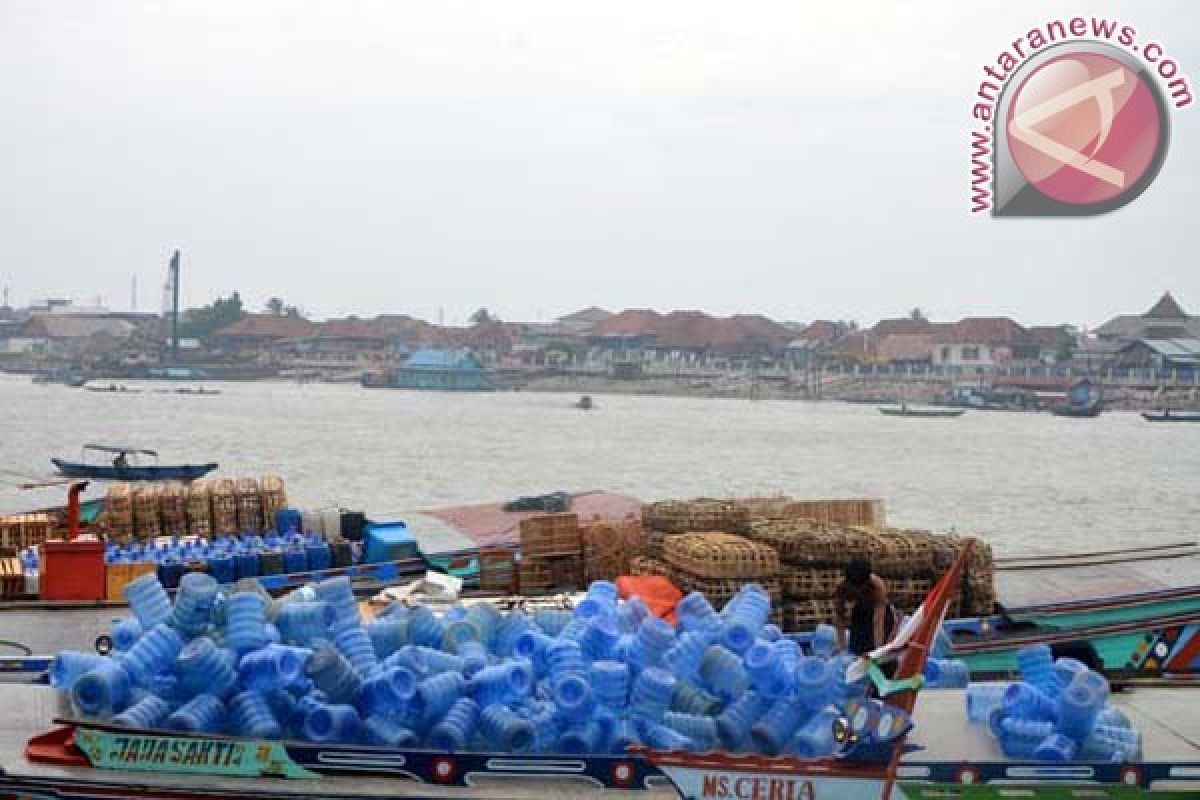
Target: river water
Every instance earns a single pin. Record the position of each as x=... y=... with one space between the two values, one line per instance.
x=1026 y=482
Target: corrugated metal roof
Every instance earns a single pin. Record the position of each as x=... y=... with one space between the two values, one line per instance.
x=1173 y=347
x=430 y=358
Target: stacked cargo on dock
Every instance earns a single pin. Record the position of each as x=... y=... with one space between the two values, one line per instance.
x=813 y=540
x=199 y=509
x=203 y=508
x=608 y=547
x=718 y=564
x=551 y=552
x=19 y=531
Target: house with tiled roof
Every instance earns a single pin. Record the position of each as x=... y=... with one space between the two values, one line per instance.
x=1166 y=319
x=689 y=336
x=978 y=342
x=261 y=336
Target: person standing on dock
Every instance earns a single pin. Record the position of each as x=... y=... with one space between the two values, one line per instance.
x=861 y=605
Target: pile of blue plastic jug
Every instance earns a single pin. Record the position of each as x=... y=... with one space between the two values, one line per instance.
x=596 y=679
x=1058 y=711
x=229 y=558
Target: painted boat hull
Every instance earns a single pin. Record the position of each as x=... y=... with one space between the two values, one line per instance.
x=181 y=472
x=104 y=762
x=1139 y=648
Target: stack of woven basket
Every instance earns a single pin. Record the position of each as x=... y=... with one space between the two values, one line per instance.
x=249 y=505
x=858 y=511
x=815 y=553
x=608 y=547
x=272 y=496
x=118 y=512
x=199 y=509
x=668 y=518
x=717 y=564
x=147 y=511
x=551 y=553
x=224 y=506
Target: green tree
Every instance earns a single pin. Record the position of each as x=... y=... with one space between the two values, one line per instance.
x=200 y=323
x=275 y=306
x=481 y=316
x=918 y=314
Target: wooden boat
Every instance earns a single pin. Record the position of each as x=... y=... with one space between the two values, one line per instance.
x=1167 y=415
x=886 y=749
x=585 y=403
x=1068 y=410
x=122 y=470
x=112 y=387
x=1084 y=399
x=931 y=413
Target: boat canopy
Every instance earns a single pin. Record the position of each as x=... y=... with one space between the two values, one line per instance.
x=112 y=448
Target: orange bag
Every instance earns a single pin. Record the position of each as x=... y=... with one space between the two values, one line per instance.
x=658 y=593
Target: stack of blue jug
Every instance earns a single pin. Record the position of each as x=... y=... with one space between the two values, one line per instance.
x=227 y=558
x=597 y=679
x=1058 y=711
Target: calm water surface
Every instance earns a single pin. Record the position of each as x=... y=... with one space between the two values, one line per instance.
x=1024 y=481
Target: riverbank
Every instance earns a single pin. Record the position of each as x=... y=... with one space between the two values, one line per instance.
x=831 y=388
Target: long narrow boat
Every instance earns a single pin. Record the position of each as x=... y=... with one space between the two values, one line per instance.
x=122 y=470
x=928 y=413
x=1168 y=415
x=1140 y=648
x=888 y=749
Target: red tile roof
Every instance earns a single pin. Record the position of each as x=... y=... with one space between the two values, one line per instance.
x=902 y=325
x=821 y=330
x=350 y=328
x=981 y=330
x=697 y=330
x=905 y=347
x=267 y=326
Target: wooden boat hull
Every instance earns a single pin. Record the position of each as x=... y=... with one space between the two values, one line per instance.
x=930 y=413
x=1081 y=412
x=1174 y=416
x=1150 y=647
x=92 y=760
x=181 y=472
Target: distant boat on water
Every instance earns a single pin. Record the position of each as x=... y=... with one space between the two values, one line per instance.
x=1085 y=399
x=904 y=410
x=1167 y=415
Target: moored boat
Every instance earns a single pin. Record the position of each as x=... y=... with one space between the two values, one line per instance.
x=1085 y=399
x=886 y=748
x=904 y=410
x=1167 y=415
x=122 y=469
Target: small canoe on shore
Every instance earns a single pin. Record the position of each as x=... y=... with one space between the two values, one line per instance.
x=931 y=413
x=1171 y=416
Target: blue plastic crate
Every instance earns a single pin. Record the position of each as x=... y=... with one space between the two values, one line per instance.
x=388 y=541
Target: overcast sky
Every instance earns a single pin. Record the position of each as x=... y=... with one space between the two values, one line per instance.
x=798 y=159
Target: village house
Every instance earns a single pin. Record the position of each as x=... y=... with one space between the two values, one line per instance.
x=261 y=337
x=1166 y=319
x=979 y=342
x=688 y=339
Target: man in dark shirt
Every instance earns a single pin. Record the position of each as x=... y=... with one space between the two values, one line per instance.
x=861 y=605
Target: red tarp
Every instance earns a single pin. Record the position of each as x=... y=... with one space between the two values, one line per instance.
x=658 y=593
